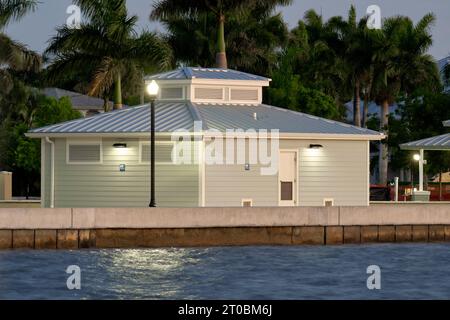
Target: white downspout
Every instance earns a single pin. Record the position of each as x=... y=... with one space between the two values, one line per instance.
x=52 y=173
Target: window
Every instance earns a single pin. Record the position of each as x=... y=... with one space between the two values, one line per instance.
x=84 y=152
x=287 y=191
x=171 y=93
x=163 y=152
x=328 y=202
x=244 y=94
x=208 y=93
x=247 y=203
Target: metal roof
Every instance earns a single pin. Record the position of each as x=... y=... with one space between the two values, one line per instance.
x=79 y=101
x=441 y=142
x=189 y=73
x=222 y=117
x=171 y=116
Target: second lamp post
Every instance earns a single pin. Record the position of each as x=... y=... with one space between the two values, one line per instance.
x=152 y=90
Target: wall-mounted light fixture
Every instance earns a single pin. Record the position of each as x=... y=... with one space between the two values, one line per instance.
x=315 y=146
x=120 y=145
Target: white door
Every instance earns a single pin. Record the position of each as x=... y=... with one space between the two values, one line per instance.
x=287 y=176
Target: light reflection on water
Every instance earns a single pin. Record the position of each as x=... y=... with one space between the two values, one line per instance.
x=409 y=271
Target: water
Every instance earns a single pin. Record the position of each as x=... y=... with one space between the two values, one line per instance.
x=408 y=271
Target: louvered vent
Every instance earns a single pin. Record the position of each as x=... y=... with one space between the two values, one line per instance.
x=244 y=94
x=247 y=203
x=171 y=93
x=208 y=93
x=163 y=153
x=84 y=153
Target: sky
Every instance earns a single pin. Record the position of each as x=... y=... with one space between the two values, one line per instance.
x=37 y=27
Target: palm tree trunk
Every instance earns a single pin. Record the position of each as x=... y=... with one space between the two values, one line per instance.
x=383 y=156
x=357 y=105
x=365 y=109
x=221 y=56
x=118 y=93
x=142 y=93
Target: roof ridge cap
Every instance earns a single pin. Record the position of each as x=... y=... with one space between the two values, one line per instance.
x=188 y=72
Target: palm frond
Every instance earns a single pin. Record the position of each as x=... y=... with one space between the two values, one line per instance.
x=17 y=56
x=104 y=76
x=14 y=10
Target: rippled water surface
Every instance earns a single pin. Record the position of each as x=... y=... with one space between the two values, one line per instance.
x=316 y=272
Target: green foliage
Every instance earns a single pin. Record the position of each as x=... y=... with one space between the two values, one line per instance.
x=14 y=56
x=252 y=39
x=207 y=23
x=51 y=111
x=293 y=95
x=32 y=109
x=420 y=117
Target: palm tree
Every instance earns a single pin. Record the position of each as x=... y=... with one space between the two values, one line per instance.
x=14 y=55
x=108 y=46
x=317 y=56
x=222 y=10
x=253 y=39
x=400 y=64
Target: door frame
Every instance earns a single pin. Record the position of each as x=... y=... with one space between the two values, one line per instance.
x=295 y=186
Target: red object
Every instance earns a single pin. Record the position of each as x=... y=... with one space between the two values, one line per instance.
x=432 y=187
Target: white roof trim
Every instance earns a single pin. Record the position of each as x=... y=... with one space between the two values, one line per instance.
x=301 y=136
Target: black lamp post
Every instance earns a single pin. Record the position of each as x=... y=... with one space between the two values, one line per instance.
x=152 y=89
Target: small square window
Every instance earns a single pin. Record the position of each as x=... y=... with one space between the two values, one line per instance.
x=287 y=191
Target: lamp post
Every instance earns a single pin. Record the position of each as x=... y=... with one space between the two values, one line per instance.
x=152 y=90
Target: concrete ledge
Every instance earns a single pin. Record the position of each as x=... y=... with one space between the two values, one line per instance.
x=35 y=218
x=396 y=214
x=130 y=218
x=167 y=218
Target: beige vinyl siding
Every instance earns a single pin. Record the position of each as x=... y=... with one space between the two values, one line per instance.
x=227 y=185
x=103 y=185
x=340 y=171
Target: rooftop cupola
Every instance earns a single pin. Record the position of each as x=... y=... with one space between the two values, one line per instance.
x=210 y=85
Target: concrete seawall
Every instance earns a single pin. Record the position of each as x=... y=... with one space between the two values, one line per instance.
x=157 y=227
